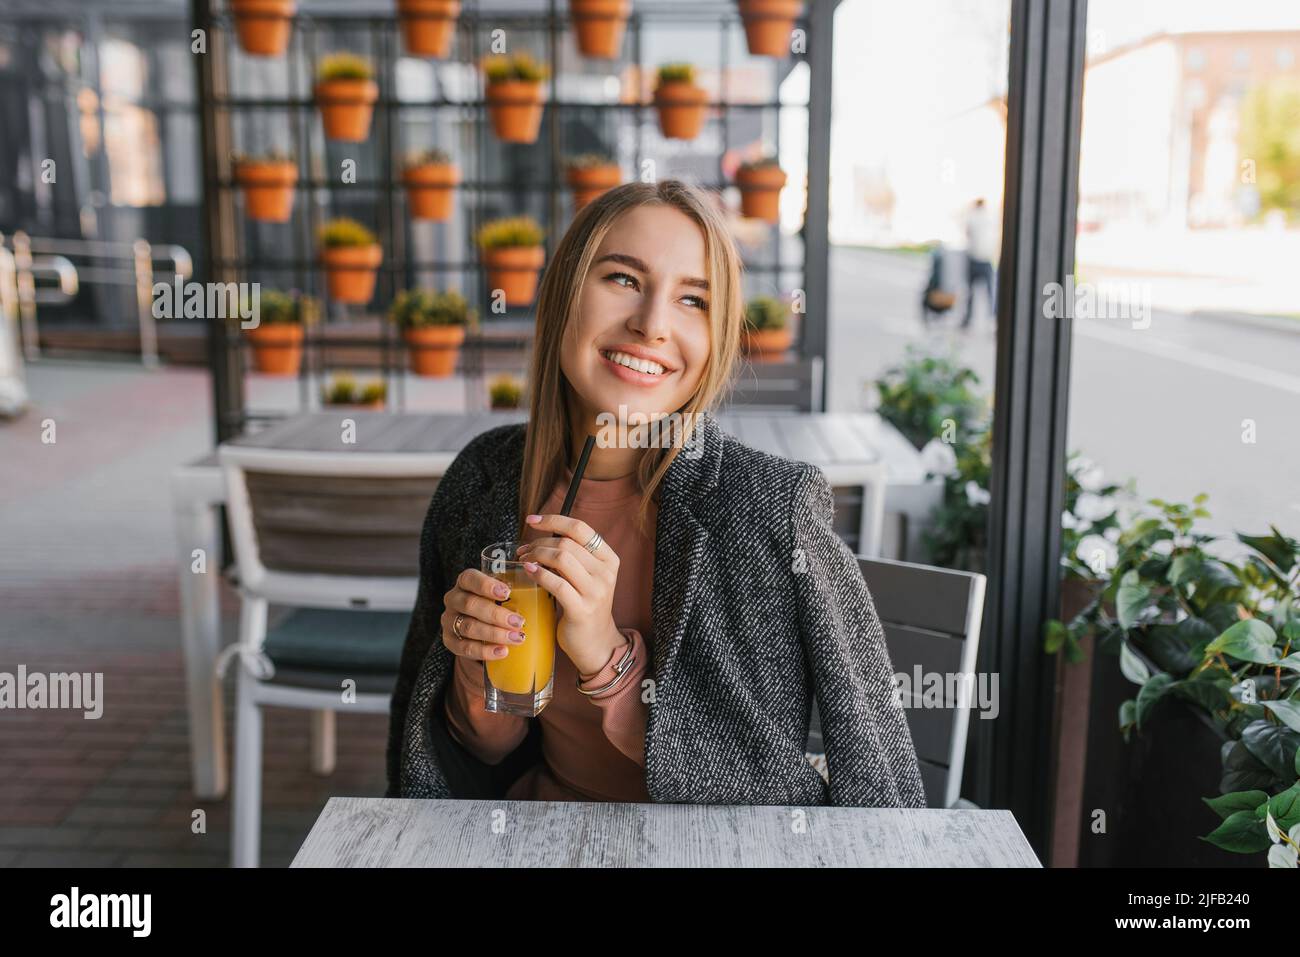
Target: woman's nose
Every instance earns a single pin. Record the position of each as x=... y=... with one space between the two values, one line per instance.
x=654 y=318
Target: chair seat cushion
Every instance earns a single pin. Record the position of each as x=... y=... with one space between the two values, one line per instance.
x=338 y=640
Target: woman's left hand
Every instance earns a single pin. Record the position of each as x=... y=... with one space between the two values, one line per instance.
x=583 y=586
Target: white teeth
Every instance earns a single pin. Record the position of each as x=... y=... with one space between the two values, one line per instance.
x=632 y=362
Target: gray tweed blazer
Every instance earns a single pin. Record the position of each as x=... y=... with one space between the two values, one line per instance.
x=757 y=605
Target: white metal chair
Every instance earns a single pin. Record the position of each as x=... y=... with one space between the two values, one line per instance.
x=932 y=621
x=335 y=535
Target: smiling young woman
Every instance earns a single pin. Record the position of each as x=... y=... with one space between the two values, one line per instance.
x=717 y=603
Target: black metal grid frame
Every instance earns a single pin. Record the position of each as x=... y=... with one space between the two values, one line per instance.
x=233 y=246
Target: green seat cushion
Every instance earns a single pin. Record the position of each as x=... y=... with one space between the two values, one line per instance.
x=319 y=639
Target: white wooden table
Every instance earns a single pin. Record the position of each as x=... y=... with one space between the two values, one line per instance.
x=383 y=832
x=845 y=446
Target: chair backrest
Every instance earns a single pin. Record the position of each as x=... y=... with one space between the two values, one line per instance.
x=931 y=618
x=860 y=511
x=792 y=386
x=329 y=529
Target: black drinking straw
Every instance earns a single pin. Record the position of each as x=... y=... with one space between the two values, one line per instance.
x=577 y=475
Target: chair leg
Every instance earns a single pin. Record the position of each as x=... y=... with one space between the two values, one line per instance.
x=246 y=826
x=323 y=751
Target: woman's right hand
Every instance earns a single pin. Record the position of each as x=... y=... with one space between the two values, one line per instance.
x=488 y=630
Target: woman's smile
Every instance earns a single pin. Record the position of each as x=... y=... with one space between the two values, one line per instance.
x=634 y=369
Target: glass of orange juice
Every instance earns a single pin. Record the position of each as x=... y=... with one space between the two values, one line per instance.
x=521 y=683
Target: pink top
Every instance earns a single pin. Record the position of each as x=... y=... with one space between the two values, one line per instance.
x=593 y=746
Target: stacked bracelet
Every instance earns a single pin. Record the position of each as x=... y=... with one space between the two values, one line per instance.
x=623 y=667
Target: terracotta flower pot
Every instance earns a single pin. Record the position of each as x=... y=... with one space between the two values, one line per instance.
x=346 y=107
x=681 y=109
x=434 y=349
x=590 y=182
x=376 y=406
x=427 y=25
x=513 y=270
x=430 y=190
x=516 y=110
x=263 y=26
x=277 y=348
x=760 y=192
x=764 y=343
x=768 y=24
x=268 y=189
x=350 y=272
x=600 y=25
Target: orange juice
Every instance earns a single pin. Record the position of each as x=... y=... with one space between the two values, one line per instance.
x=529 y=667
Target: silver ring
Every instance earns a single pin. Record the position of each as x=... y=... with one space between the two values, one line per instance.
x=595 y=543
x=455 y=626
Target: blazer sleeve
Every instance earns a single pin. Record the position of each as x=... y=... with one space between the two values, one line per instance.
x=869 y=752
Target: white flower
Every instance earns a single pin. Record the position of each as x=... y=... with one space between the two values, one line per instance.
x=1093 y=508
x=1091 y=478
x=975 y=495
x=1111 y=534
x=939 y=458
x=1097 y=553
x=1069 y=521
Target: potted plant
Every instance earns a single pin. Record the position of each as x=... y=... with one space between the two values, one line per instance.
x=760 y=183
x=590 y=175
x=513 y=255
x=276 y=340
x=433 y=325
x=679 y=101
x=505 y=391
x=431 y=179
x=515 y=96
x=1199 y=630
x=345 y=393
x=268 y=182
x=351 y=255
x=346 y=93
x=600 y=25
x=767 y=327
x=427 y=25
x=768 y=25
x=263 y=26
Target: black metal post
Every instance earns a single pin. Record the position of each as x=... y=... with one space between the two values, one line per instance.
x=1013 y=753
x=821 y=24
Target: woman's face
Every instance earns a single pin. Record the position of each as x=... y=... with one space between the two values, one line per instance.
x=645 y=302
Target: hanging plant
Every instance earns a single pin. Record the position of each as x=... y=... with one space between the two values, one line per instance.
x=263 y=26
x=680 y=101
x=515 y=96
x=767 y=328
x=768 y=25
x=427 y=26
x=590 y=175
x=268 y=182
x=512 y=255
x=600 y=25
x=431 y=179
x=433 y=325
x=760 y=183
x=344 y=392
x=277 y=338
x=351 y=255
x=346 y=93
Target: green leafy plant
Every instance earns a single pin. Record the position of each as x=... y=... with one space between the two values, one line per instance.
x=345 y=232
x=1216 y=634
x=344 y=66
x=676 y=73
x=417 y=308
x=588 y=161
x=281 y=308
x=344 y=390
x=518 y=66
x=766 y=312
x=930 y=396
x=510 y=232
x=762 y=162
x=505 y=392
x=429 y=156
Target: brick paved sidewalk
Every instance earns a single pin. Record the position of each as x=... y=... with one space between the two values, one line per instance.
x=87 y=583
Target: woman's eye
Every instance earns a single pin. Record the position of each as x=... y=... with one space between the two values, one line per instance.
x=617 y=276
x=698 y=302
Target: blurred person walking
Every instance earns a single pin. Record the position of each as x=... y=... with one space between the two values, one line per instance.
x=981 y=248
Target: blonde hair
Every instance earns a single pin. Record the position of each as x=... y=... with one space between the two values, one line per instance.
x=546 y=449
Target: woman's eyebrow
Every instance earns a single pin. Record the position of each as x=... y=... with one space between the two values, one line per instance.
x=640 y=266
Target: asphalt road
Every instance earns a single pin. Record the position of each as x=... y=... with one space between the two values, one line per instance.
x=1165 y=405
